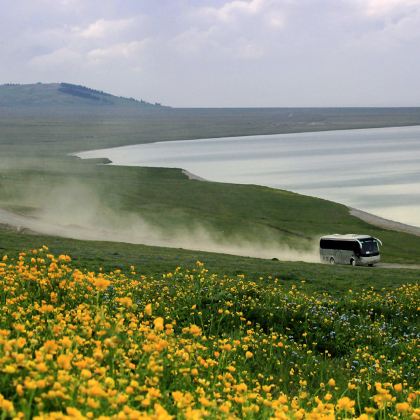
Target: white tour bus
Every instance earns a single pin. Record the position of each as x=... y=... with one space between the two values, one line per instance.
x=349 y=249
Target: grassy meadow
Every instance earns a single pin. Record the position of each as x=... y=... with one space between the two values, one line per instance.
x=190 y=344
x=119 y=330
x=38 y=177
x=168 y=202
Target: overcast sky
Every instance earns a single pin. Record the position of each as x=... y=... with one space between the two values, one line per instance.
x=219 y=52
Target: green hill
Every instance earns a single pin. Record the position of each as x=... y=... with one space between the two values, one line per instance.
x=64 y=95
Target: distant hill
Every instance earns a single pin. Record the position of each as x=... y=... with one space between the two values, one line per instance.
x=64 y=95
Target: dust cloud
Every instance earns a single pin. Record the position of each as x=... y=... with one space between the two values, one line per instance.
x=74 y=210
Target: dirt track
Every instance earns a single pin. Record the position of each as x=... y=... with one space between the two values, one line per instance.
x=26 y=224
x=397 y=266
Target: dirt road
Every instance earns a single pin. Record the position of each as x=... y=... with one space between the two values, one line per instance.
x=33 y=225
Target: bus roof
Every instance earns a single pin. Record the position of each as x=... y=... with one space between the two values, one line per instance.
x=346 y=237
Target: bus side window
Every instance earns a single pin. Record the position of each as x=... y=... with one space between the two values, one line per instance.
x=325 y=244
x=356 y=248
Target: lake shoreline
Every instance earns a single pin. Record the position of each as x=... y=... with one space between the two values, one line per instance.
x=367 y=217
x=384 y=223
x=374 y=170
x=238 y=136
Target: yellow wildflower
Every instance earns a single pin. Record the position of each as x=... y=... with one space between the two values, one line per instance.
x=346 y=404
x=148 y=309
x=398 y=387
x=158 y=323
x=402 y=407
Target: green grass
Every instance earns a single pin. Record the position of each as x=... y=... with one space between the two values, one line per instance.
x=37 y=173
x=154 y=261
x=166 y=199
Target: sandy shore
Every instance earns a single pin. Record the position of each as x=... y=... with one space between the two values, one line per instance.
x=384 y=223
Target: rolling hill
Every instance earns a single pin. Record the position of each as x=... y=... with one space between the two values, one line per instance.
x=64 y=95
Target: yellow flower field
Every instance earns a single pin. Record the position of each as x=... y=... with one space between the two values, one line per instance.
x=189 y=344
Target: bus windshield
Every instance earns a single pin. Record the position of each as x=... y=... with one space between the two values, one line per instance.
x=369 y=246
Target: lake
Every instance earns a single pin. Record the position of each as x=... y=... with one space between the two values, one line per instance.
x=375 y=170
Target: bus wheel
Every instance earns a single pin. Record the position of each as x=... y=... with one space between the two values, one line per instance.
x=332 y=262
x=353 y=262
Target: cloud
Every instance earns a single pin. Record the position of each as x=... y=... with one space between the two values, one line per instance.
x=383 y=7
x=276 y=20
x=233 y=9
x=268 y=12
x=250 y=51
x=119 y=54
x=127 y=50
x=396 y=26
x=102 y=28
x=81 y=46
x=212 y=43
x=220 y=52
x=236 y=30
x=194 y=40
x=61 y=58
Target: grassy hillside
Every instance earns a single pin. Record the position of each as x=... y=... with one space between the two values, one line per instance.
x=62 y=95
x=36 y=175
x=170 y=203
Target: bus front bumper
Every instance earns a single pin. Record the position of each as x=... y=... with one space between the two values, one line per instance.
x=369 y=260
